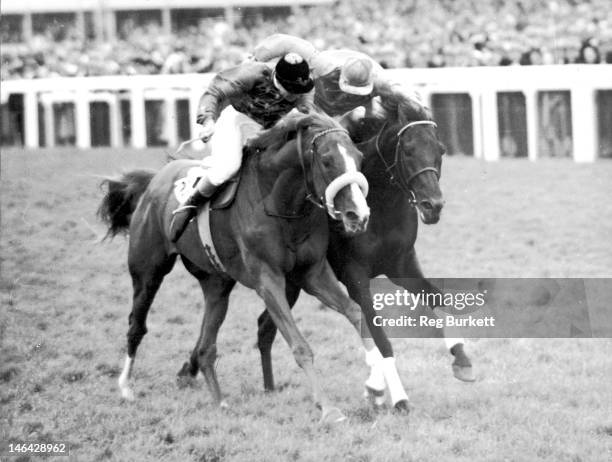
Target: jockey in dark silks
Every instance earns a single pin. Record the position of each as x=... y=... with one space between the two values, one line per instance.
x=238 y=103
x=344 y=79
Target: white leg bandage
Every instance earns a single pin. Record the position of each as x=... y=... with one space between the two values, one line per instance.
x=376 y=380
x=451 y=341
x=124 y=387
x=396 y=389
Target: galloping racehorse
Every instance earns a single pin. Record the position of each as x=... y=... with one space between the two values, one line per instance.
x=402 y=163
x=272 y=239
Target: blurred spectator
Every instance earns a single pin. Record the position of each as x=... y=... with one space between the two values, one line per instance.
x=589 y=52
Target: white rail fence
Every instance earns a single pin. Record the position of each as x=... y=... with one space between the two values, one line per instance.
x=583 y=84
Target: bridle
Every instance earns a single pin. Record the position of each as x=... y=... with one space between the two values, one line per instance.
x=396 y=176
x=326 y=202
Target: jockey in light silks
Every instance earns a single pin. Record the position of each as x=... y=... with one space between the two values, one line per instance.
x=242 y=100
x=345 y=80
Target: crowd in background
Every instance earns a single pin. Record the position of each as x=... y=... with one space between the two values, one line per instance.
x=397 y=33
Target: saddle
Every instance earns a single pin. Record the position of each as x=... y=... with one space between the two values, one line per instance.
x=221 y=199
x=224 y=196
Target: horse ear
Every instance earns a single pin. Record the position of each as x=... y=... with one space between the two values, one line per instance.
x=350 y=121
x=302 y=121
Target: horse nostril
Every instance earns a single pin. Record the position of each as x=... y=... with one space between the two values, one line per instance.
x=427 y=206
x=352 y=216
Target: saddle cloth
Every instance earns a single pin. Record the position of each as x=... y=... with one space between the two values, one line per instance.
x=222 y=198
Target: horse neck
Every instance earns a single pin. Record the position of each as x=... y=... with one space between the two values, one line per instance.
x=281 y=181
x=382 y=191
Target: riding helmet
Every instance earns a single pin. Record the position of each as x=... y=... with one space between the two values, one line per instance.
x=357 y=76
x=293 y=73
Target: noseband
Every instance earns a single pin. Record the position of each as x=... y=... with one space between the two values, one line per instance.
x=327 y=202
x=398 y=177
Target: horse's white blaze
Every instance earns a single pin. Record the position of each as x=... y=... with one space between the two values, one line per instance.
x=396 y=389
x=349 y=162
x=359 y=199
x=126 y=391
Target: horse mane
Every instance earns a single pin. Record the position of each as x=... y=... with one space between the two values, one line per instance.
x=406 y=107
x=285 y=129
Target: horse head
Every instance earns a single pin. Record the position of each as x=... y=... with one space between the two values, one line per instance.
x=419 y=155
x=331 y=164
x=404 y=147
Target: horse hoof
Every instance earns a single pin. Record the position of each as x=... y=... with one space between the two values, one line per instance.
x=402 y=407
x=186 y=381
x=186 y=370
x=464 y=373
x=376 y=398
x=127 y=394
x=332 y=415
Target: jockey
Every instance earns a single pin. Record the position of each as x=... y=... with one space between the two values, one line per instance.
x=344 y=79
x=242 y=100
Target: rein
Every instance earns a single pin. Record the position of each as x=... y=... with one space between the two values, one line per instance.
x=397 y=177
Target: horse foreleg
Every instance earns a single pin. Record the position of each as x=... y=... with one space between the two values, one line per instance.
x=271 y=289
x=266 y=332
x=322 y=283
x=408 y=274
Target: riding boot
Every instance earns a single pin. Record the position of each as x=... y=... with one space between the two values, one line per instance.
x=183 y=215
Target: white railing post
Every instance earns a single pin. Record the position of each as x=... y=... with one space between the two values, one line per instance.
x=137 y=118
x=477 y=124
x=114 y=120
x=584 y=123
x=490 y=125
x=170 y=119
x=49 y=123
x=531 y=112
x=30 y=119
x=82 y=116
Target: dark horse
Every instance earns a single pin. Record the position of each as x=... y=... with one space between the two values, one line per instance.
x=257 y=243
x=403 y=159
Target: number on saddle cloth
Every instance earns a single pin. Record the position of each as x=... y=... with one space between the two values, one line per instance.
x=184 y=187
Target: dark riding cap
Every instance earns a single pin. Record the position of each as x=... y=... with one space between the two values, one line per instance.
x=293 y=73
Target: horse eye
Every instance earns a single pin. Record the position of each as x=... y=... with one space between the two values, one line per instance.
x=327 y=162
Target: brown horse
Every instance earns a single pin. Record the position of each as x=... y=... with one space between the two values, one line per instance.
x=403 y=159
x=272 y=239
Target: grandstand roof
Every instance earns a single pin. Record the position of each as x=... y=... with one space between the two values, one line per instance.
x=45 y=6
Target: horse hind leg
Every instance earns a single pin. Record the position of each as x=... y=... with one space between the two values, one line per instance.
x=146 y=280
x=216 y=295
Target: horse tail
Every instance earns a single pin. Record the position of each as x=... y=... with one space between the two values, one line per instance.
x=121 y=199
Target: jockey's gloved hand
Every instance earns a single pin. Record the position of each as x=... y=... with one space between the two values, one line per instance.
x=208 y=128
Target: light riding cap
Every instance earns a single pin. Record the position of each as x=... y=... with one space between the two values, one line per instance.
x=357 y=76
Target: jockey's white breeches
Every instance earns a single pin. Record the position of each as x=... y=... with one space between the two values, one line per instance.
x=232 y=130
